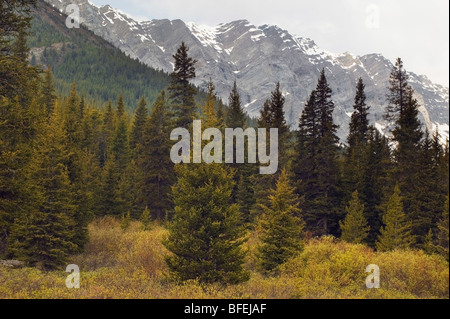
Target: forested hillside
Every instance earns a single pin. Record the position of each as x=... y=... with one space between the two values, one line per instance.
x=101 y=71
x=80 y=182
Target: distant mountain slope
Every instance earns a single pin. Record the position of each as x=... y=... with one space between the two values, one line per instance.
x=101 y=71
x=257 y=57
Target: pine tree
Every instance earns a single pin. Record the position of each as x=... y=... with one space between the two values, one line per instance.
x=398 y=91
x=107 y=133
x=48 y=93
x=361 y=156
x=73 y=129
x=205 y=236
x=272 y=116
x=84 y=197
x=120 y=149
x=282 y=228
x=82 y=108
x=429 y=247
x=245 y=194
x=354 y=228
x=145 y=219
x=396 y=233
x=408 y=135
x=359 y=124
x=157 y=175
x=425 y=205
x=44 y=234
x=265 y=116
x=125 y=221
x=210 y=118
x=375 y=182
x=235 y=117
x=315 y=165
x=443 y=232
x=140 y=117
x=19 y=119
x=276 y=119
x=120 y=112
x=108 y=202
x=182 y=93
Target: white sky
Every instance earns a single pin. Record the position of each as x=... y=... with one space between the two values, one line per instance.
x=415 y=30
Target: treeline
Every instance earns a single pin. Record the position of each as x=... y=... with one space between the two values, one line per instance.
x=64 y=161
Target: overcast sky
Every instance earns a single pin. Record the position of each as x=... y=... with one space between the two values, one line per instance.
x=415 y=30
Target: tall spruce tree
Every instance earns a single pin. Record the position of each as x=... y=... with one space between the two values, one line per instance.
x=354 y=228
x=120 y=111
x=44 y=235
x=396 y=233
x=48 y=93
x=275 y=118
x=181 y=92
x=157 y=175
x=375 y=182
x=407 y=135
x=359 y=124
x=235 y=117
x=398 y=91
x=140 y=117
x=205 y=236
x=315 y=164
x=363 y=155
x=106 y=134
x=282 y=227
x=19 y=121
x=265 y=117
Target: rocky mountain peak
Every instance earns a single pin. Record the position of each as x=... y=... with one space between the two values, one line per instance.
x=259 y=56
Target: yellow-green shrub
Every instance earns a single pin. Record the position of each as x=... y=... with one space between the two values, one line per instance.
x=130 y=264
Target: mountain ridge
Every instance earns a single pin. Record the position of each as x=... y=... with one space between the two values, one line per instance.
x=259 y=56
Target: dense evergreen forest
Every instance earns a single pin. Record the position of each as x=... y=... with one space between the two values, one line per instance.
x=66 y=160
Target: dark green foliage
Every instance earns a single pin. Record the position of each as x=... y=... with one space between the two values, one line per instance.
x=140 y=117
x=410 y=166
x=359 y=124
x=48 y=93
x=375 y=181
x=315 y=164
x=155 y=166
x=205 y=235
x=20 y=115
x=120 y=111
x=43 y=235
x=182 y=93
x=235 y=117
x=282 y=228
x=272 y=116
x=398 y=91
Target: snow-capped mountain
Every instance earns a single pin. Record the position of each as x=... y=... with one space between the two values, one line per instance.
x=258 y=57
